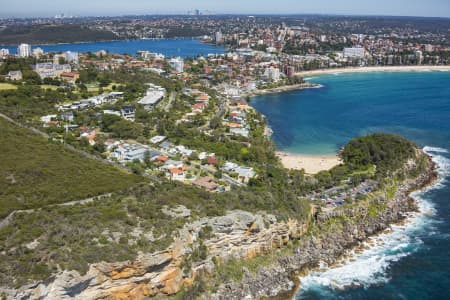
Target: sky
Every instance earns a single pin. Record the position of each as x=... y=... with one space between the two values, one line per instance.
x=47 y=8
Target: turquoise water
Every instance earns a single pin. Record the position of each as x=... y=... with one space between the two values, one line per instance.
x=168 y=47
x=413 y=261
x=320 y=121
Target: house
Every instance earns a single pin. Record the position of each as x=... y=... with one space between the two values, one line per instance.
x=204 y=155
x=175 y=170
x=234 y=125
x=206 y=183
x=115 y=95
x=241 y=104
x=158 y=139
x=178 y=174
x=129 y=152
x=244 y=174
x=128 y=112
x=172 y=164
x=166 y=145
x=162 y=159
x=90 y=136
x=137 y=153
x=110 y=144
x=212 y=160
x=153 y=96
x=185 y=152
x=198 y=107
x=47 y=119
x=112 y=112
x=240 y=131
x=203 y=98
x=14 y=75
x=67 y=116
x=70 y=77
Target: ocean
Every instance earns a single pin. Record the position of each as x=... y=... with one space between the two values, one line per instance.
x=411 y=261
x=169 y=47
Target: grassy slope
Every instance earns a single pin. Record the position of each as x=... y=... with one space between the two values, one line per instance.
x=7 y=86
x=34 y=173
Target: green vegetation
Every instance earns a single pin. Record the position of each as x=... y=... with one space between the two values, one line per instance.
x=62 y=33
x=388 y=152
x=117 y=228
x=35 y=173
x=375 y=208
x=7 y=86
x=31 y=101
x=48 y=86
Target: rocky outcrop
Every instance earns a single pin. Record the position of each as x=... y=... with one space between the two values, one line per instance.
x=279 y=279
x=148 y=275
x=238 y=234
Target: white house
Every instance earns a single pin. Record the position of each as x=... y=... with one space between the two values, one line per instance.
x=244 y=173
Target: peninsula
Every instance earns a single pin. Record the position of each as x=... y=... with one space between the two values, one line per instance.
x=142 y=175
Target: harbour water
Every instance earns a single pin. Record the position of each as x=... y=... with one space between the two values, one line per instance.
x=169 y=47
x=412 y=261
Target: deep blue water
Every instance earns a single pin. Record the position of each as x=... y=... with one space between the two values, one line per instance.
x=413 y=261
x=168 y=47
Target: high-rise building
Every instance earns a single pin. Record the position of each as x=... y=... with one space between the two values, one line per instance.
x=24 y=50
x=219 y=37
x=177 y=64
x=272 y=74
x=419 y=57
x=354 y=52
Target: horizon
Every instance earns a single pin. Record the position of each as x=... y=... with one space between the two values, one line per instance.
x=249 y=14
x=103 y=8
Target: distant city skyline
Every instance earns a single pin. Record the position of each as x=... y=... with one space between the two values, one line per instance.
x=47 y=8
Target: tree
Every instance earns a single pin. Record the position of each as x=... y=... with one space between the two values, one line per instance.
x=126 y=129
x=108 y=120
x=215 y=122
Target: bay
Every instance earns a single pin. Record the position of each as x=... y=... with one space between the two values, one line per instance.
x=411 y=262
x=169 y=47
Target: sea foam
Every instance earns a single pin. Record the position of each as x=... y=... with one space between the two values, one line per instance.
x=370 y=267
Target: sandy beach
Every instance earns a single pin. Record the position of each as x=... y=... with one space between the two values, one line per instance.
x=373 y=69
x=312 y=164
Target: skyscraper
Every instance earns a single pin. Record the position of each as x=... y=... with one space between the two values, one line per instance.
x=177 y=64
x=24 y=50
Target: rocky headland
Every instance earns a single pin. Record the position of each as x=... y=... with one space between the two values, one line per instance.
x=239 y=235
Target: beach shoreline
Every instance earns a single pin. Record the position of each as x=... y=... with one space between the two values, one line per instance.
x=312 y=164
x=373 y=69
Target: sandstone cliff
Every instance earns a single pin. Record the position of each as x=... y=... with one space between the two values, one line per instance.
x=238 y=234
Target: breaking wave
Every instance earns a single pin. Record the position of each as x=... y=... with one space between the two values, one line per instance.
x=370 y=266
